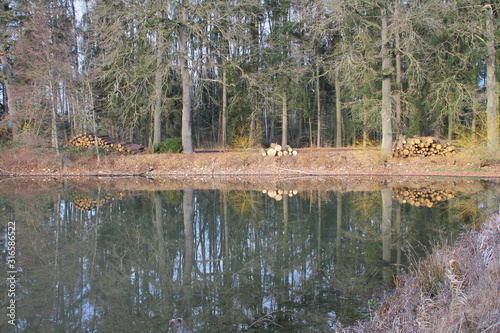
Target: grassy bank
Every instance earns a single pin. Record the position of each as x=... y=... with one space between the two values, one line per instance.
x=17 y=161
x=454 y=289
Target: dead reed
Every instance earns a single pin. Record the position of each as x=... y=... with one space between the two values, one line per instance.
x=455 y=289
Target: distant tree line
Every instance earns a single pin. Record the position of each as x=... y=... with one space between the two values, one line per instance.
x=250 y=72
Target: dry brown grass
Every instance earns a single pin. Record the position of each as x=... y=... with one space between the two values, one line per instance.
x=249 y=162
x=455 y=289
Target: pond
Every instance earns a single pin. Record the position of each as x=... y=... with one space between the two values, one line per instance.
x=130 y=255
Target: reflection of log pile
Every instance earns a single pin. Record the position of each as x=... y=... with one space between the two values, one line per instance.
x=425 y=146
x=278 y=150
x=278 y=194
x=421 y=197
x=87 y=141
x=85 y=203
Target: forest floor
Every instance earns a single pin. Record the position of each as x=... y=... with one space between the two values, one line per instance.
x=311 y=162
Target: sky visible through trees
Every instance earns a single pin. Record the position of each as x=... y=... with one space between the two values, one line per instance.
x=248 y=73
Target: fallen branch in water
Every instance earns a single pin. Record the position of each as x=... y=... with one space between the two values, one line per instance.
x=270 y=317
x=263 y=319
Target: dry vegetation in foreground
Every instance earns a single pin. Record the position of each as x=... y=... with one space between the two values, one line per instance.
x=323 y=161
x=454 y=289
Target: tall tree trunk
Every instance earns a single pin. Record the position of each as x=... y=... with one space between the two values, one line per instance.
x=386 y=231
x=7 y=16
x=338 y=111
x=300 y=131
x=450 y=125
x=158 y=86
x=318 y=232
x=491 y=83
x=399 y=245
x=88 y=88
x=252 y=136
x=53 y=130
x=187 y=140
x=284 y=116
x=163 y=260
x=318 y=104
x=224 y=109
x=386 y=83
x=311 y=142
x=399 y=80
x=189 y=251
x=338 y=238
x=7 y=76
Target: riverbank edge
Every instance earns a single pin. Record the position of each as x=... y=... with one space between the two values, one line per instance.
x=453 y=289
x=247 y=163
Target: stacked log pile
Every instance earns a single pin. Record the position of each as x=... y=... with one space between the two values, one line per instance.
x=279 y=194
x=87 y=141
x=88 y=204
x=420 y=146
x=421 y=197
x=277 y=150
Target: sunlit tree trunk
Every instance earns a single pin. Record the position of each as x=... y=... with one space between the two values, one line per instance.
x=54 y=132
x=318 y=105
x=284 y=116
x=338 y=112
x=386 y=83
x=491 y=82
x=187 y=140
x=224 y=109
x=253 y=126
x=399 y=79
x=158 y=86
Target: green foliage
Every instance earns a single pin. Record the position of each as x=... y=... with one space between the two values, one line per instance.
x=171 y=145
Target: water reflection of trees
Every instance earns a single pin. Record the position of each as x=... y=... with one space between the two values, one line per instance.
x=218 y=259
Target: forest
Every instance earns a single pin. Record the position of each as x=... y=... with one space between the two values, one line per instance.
x=241 y=74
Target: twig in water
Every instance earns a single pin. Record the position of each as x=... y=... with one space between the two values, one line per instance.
x=262 y=319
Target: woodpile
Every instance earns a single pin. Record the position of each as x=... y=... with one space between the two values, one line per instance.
x=277 y=150
x=421 y=197
x=88 y=204
x=420 y=146
x=279 y=194
x=87 y=141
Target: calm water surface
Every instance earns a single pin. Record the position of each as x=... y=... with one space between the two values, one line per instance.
x=277 y=259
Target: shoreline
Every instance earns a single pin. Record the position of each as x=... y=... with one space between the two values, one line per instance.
x=453 y=289
x=309 y=162
x=327 y=162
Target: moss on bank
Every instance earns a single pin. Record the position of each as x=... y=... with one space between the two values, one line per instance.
x=454 y=289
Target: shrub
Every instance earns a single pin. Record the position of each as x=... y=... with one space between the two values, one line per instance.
x=242 y=139
x=171 y=145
